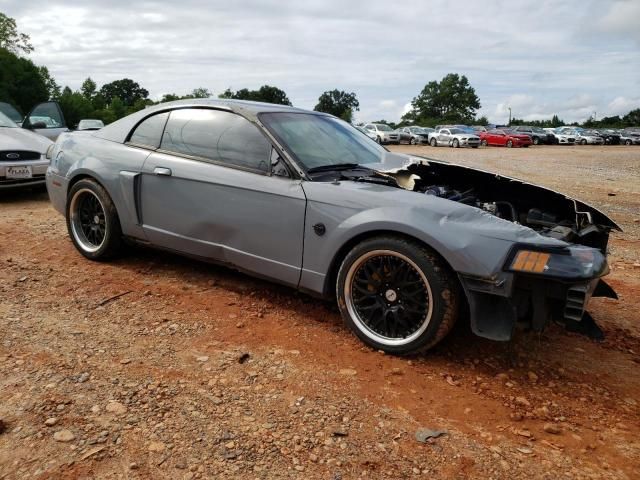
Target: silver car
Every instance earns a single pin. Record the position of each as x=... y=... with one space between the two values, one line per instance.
x=384 y=133
x=453 y=137
x=403 y=243
x=22 y=156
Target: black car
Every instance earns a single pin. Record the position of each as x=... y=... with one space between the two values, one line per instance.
x=611 y=137
x=538 y=135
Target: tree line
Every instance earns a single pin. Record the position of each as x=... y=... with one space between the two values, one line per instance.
x=452 y=100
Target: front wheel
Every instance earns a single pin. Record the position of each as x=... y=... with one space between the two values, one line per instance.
x=510 y=144
x=378 y=140
x=397 y=295
x=433 y=142
x=456 y=143
x=92 y=221
x=536 y=141
x=627 y=142
x=412 y=141
x=583 y=142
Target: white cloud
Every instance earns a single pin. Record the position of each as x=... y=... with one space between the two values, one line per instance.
x=538 y=56
x=622 y=105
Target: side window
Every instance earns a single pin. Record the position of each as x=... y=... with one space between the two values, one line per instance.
x=219 y=136
x=149 y=132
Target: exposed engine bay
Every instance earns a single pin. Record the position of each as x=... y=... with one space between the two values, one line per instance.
x=548 y=212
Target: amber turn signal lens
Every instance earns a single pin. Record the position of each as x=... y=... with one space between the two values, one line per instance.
x=529 y=261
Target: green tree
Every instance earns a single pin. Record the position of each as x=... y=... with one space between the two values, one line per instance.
x=126 y=90
x=452 y=100
x=88 y=89
x=265 y=93
x=21 y=82
x=169 y=97
x=75 y=106
x=52 y=87
x=118 y=108
x=556 y=122
x=385 y=122
x=200 y=93
x=11 y=39
x=632 y=119
x=338 y=103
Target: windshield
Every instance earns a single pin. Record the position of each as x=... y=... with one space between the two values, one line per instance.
x=319 y=140
x=455 y=131
x=382 y=127
x=9 y=111
x=7 y=122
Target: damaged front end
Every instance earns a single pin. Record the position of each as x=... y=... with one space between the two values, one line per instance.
x=537 y=284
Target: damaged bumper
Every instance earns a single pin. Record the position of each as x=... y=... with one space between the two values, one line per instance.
x=537 y=287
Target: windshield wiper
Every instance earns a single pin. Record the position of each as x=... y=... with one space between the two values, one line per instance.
x=333 y=168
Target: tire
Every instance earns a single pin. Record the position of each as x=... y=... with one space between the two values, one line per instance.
x=583 y=142
x=377 y=324
x=433 y=142
x=484 y=143
x=99 y=237
x=627 y=142
x=378 y=140
x=509 y=143
x=456 y=143
x=412 y=141
x=536 y=141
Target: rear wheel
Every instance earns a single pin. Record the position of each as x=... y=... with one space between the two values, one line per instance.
x=396 y=295
x=509 y=143
x=92 y=221
x=433 y=142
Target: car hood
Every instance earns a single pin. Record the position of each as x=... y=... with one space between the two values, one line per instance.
x=393 y=163
x=21 y=139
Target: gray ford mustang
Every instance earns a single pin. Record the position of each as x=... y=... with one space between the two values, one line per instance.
x=405 y=244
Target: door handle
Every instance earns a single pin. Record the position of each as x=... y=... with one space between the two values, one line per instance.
x=162 y=171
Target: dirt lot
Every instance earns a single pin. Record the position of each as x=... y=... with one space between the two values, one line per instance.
x=200 y=372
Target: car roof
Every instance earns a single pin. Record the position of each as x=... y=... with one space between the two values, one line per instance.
x=118 y=130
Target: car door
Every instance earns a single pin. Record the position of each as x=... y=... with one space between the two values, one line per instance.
x=46 y=119
x=210 y=191
x=444 y=136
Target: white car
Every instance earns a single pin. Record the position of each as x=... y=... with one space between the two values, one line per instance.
x=453 y=137
x=23 y=161
x=585 y=137
x=384 y=133
x=90 y=124
x=564 y=137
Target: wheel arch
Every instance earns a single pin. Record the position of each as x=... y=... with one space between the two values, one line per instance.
x=343 y=251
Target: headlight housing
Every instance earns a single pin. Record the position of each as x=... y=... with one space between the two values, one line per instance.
x=576 y=262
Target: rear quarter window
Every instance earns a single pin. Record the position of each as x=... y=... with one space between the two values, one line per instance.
x=148 y=133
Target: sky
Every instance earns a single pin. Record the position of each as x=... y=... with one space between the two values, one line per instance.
x=573 y=58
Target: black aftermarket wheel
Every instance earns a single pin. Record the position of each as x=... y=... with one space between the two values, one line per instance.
x=92 y=221
x=397 y=295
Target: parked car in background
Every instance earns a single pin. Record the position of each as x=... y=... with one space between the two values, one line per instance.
x=416 y=135
x=587 y=137
x=564 y=138
x=629 y=138
x=504 y=137
x=368 y=133
x=384 y=133
x=90 y=124
x=334 y=214
x=479 y=128
x=611 y=136
x=453 y=137
x=45 y=118
x=23 y=161
x=538 y=135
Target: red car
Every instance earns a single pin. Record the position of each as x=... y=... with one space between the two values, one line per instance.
x=504 y=138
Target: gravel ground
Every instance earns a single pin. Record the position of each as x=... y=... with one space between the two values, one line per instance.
x=156 y=366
